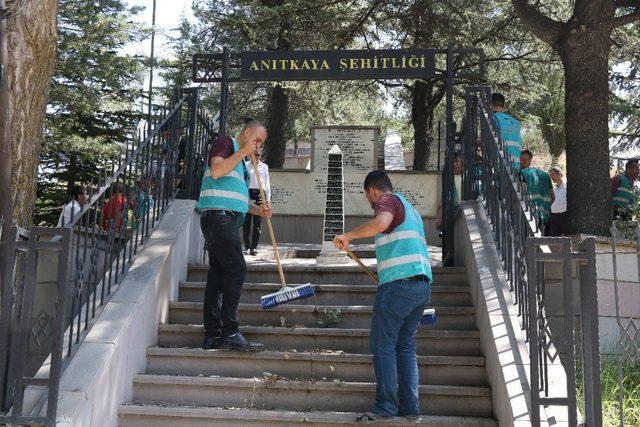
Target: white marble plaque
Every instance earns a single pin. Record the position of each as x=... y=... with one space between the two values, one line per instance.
x=358 y=146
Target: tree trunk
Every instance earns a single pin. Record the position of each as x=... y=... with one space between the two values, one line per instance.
x=585 y=57
x=422 y=107
x=277 y=115
x=32 y=53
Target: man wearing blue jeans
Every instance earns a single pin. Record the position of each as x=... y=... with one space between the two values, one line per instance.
x=404 y=288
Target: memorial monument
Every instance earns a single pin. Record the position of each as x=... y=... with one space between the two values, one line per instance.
x=333 y=210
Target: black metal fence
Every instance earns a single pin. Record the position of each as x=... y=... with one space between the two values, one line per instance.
x=94 y=247
x=489 y=175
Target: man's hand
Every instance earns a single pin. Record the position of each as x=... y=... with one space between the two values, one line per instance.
x=341 y=242
x=248 y=147
x=265 y=210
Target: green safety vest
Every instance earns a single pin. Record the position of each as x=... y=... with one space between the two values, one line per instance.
x=539 y=190
x=230 y=192
x=624 y=196
x=403 y=253
x=510 y=133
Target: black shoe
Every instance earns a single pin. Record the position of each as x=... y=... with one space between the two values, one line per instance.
x=253 y=252
x=237 y=341
x=211 y=343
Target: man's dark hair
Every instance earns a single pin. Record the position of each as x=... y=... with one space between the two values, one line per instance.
x=379 y=180
x=497 y=99
x=527 y=152
x=77 y=191
x=631 y=162
x=247 y=120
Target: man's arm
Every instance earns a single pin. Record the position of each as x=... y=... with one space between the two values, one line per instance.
x=371 y=228
x=221 y=167
x=615 y=183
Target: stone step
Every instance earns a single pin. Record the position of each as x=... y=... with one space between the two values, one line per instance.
x=271 y=393
x=445 y=370
x=291 y=314
x=202 y=416
x=299 y=272
x=430 y=342
x=441 y=295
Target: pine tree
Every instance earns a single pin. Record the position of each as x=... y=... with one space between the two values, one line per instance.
x=92 y=111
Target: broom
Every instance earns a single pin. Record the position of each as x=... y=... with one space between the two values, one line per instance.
x=428 y=315
x=286 y=293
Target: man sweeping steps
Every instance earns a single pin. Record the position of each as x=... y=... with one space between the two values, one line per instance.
x=404 y=289
x=224 y=201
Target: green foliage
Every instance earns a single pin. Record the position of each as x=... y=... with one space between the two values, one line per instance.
x=92 y=110
x=610 y=393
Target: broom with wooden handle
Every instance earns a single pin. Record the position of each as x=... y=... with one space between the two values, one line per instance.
x=428 y=315
x=286 y=293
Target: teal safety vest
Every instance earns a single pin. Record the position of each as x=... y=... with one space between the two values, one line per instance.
x=624 y=196
x=230 y=192
x=510 y=133
x=403 y=253
x=539 y=189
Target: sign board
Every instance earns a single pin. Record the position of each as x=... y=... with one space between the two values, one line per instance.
x=337 y=64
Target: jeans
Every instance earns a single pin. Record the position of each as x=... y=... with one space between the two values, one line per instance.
x=252 y=223
x=226 y=274
x=397 y=312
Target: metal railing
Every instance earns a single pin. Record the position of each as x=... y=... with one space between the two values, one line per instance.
x=490 y=176
x=95 y=249
x=627 y=344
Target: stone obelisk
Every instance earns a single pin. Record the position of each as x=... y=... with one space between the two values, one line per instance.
x=333 y=210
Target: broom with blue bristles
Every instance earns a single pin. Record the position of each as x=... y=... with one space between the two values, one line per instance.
x=428 y=315
x=286 y=293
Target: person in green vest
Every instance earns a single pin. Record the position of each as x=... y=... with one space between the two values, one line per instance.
x=404 y=289
x=223 y=203
x=537 y=183
x=622 y=190
x=509 y=129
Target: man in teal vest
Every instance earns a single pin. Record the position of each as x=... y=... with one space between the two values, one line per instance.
x=537 y=183
x=509 y=130
x=224 y=201
x=622 y=190
x=404 y=288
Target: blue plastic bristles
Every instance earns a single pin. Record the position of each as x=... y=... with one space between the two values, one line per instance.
x=286 y=295
x=429 y=317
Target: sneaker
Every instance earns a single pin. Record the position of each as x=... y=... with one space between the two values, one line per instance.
x=253 y=252
x=412 y=417
x=373 y=418
x=211 y=343
x=237 y=341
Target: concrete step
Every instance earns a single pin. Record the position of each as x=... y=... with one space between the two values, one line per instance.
x=300 y=271
x=430 y=342
x=291 y=314
x=202 y=416
x=444 y=370
x=441 y=295
x=273 y=393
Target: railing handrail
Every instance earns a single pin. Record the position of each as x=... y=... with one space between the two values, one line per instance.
x=150 y=137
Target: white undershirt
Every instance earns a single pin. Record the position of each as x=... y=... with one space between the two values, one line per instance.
x=69 y=211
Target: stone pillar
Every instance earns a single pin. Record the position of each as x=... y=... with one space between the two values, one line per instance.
x=333 y=210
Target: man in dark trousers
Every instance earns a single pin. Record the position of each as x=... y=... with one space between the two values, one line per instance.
x=224 y=201
x=404 y=289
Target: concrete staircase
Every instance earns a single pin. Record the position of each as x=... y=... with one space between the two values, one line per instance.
x=314 y=370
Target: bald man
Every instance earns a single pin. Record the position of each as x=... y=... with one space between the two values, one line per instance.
x=223 y=203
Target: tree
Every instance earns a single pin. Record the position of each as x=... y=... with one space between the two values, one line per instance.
x=32 y=51
x=92 y=110
x=583 y=42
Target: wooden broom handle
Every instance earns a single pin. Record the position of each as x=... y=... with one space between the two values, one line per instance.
x=364 y=267
x=254 y=161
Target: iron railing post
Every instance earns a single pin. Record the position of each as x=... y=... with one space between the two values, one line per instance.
x=224 y=91
x=192 y=102
x=448 y=180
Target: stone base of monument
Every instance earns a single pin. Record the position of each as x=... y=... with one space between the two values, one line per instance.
x=332 y=257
